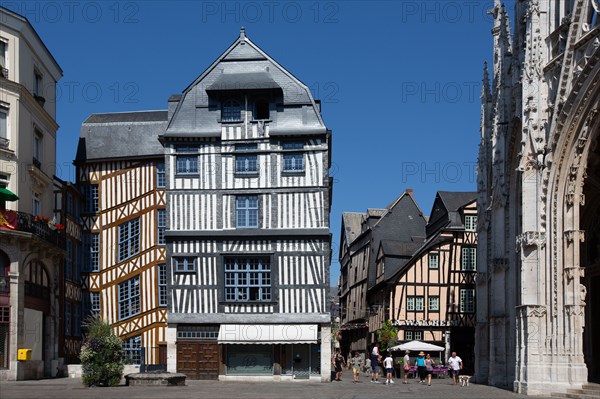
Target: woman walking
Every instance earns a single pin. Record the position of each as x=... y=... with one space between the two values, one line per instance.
x=420 y=363
x=429 y=363
x=406 y=367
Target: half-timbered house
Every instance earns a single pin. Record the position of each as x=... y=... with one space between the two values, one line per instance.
x=249 y=194
x=434 y=298
x=120 y=172
x=366 y=274
x=67 y=207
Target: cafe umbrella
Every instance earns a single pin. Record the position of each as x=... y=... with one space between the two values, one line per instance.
x=7 y=195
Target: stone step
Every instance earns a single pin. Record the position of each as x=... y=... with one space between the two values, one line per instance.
x=571 y=394
x=592 y=392
x=592 y=386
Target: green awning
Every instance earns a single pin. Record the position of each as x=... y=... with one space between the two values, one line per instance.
x=7 y=195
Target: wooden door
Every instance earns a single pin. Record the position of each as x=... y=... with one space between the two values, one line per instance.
x=199 y=360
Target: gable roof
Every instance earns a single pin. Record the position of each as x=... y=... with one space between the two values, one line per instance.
x=243 y=66
x=121 y=135
x=447 y=208
x=351 y=222
x=455 y=201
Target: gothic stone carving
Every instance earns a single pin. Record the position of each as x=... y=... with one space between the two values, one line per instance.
x=572 y=235
x=530 y=239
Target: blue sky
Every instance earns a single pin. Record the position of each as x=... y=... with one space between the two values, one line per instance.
x=399 y=81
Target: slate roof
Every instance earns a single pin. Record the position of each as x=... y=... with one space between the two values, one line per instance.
x=121 y=135
x=241 y=67
x=121 y=117
x=454 y=201
x=352 y=225
x=241 y=81
x=400 y=248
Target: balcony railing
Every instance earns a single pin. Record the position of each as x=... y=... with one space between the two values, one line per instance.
x=25 y=222
x=4 y=142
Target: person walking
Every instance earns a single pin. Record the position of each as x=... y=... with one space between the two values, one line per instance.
x=368 y=368
x=357 y=364
x=375 y=357
x=405 y=367
x=455 y=365
x=388 y=363
x=429 y=363
x=420 y=363
x=337 y=362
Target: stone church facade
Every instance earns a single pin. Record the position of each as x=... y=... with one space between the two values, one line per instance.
x=538 y=284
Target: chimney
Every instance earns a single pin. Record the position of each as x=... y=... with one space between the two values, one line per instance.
x=409 y=191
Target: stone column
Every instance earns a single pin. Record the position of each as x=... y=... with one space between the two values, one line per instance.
x=171 y=338
x=325 y=353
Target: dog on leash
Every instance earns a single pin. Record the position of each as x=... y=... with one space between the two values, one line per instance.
x=464 y=380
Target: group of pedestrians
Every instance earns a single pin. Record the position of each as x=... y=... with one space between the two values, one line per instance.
x=424 y=364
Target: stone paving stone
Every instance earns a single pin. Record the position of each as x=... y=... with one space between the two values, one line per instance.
x=66 y=388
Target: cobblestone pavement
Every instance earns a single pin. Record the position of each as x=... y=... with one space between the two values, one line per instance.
x=71 y=388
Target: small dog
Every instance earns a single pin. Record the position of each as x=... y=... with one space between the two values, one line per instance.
x=464 y=380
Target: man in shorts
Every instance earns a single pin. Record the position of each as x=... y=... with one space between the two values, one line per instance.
x=455 y=365
x=375 y=359
x=388 y=363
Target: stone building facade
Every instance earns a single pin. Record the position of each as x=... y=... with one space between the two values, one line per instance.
x=32 y=250
x=539 y=190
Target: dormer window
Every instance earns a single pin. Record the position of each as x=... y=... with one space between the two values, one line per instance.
x=231 y=111
x=261 y=109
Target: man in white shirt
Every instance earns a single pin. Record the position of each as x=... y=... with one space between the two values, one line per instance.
x=455 y=364
x=388 y=363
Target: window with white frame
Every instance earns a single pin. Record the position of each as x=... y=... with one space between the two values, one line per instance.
x=293 y=162
x=36 y=204
x=90 y=193
x=131 y=350
x=247 y=278
x=37 y=146
x=187 y=164
x=3 y=126
x=469 y=259
x=231 y=111
x=433 y=260
x=162 y=285
x=184 y=264
x=410 y=335
x=95 y=303
x=467 y=300
x=91 y=252
x=129 y=297
x=129 y=239
x=470 y=223
x=246 y=211
x=433 y=303
x=161 y=178
x=414 y=303
x=246 y=163
x=161 y=223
